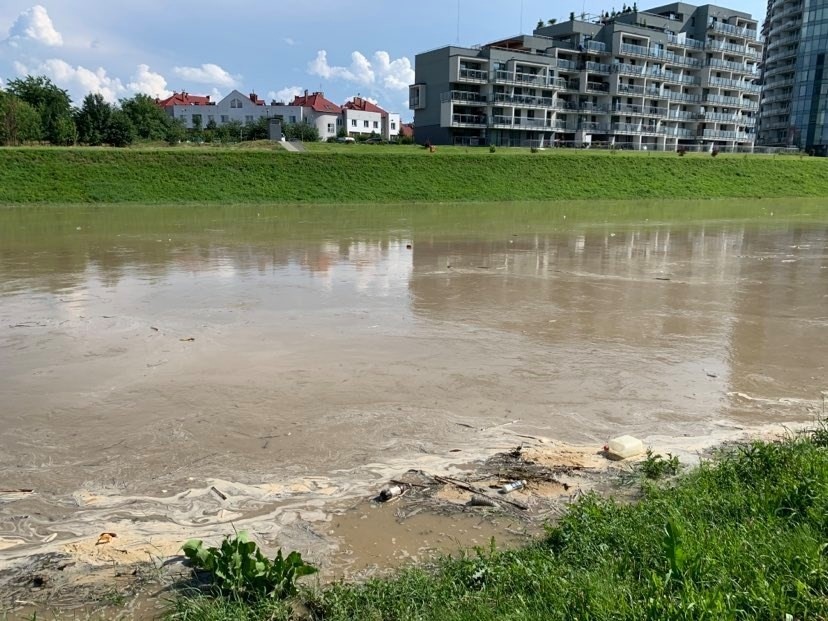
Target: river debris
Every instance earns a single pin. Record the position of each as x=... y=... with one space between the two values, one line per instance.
x=105 y=538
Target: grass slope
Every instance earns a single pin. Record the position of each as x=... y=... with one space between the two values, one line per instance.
x=34 y=175
x=742 y=538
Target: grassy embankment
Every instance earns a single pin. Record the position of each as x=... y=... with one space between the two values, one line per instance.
x=745 y=537
x=392 y=174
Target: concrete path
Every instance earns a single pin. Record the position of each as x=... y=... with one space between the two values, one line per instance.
x=289 y=146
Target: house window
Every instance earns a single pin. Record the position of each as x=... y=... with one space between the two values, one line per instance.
x=211 y=118
x=236 y=103
x=393 y=126
x=225 y=118
x=353 y=122
x=249 y=118
x=196 y=119
x=376 y=124
x=293 y=119
x=366 y=124
x=331 y=128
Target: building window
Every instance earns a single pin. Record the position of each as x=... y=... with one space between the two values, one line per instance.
x=211 y=118
x=331 y=128
x=376 y=124
x=225 y=118
x=236 y=103
x=353 y=122
x=393 y=126
x=249 y=118
x=365 y=124
x=293 y=119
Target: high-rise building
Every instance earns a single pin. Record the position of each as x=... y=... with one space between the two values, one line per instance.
x=794 y=76
x=672 y=76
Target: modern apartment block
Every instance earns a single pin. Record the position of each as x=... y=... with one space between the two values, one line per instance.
x=794 y=76
x=672 y=76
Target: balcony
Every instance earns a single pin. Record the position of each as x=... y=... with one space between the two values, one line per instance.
x=635 y=128
x=734 y=84
x=716 y=134
x=681 y=115
x=689 y=98
x=468 y=120
x=567 y=65
x=629 y=89
x=597 y=87
x=595 y=46
x=685 y=42
x=728 y=65
x=524 y=101
x=517 y=122
x=723 y=100
x=669 y=76
x=594 y=127
x=467 y=97
x=591 y=108
x=473 y=75
x=597 y=67
x=677 y=132
x=638 y=110
x=508 y=77
x=626 y=69
x=731 y=30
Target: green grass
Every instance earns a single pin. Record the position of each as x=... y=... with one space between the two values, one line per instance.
x=743 y=537
x=380 y=173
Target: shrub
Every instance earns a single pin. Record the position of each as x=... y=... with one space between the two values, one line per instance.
x=492 y=148
x=655 y=466
x=240 y=569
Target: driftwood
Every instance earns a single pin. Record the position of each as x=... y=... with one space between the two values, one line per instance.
x=480 y=491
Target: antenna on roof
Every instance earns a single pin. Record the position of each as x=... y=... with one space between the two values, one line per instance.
x=458 y=22
x=521 y=17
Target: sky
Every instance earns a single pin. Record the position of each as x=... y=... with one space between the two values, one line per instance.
x=275 y=49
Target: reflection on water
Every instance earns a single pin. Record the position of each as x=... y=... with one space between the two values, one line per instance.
x=326 y=339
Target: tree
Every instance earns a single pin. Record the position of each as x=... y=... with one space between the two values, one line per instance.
x=149 y=120
x=120 y=132
x=52 y=104
x=341 y=132
x=176 y=132
x=301 y=131
x=19 y=122
x=552 y=22
x=258 y=130
x=93 y=120
x=229 y=132
x=540 y=24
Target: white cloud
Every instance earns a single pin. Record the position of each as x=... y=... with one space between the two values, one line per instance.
x=208 y=73
x=79 y=81
x=286 y=94
x=381 y=71
x=34 y=24
x=371 y=99
x=148 y=82
x=289 y=41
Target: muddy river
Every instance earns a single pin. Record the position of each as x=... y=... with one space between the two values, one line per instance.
x=291 y=357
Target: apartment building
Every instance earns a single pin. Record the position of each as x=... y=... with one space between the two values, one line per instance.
x=794 y=76
x=671 y=76
x=193 y=110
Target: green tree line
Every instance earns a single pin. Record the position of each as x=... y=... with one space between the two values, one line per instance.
x=33 y=110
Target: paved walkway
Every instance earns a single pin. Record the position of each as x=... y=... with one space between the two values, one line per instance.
x=294 y=147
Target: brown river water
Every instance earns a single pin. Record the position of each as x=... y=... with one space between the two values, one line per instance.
x=294 y=357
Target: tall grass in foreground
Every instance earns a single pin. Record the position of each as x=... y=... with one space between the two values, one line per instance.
x=742 y=537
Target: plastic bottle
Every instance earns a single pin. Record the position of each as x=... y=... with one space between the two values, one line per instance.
x=510 y=487
x=390 y=492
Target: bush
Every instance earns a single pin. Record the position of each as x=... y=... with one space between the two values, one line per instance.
x=492 y=148
x=656 y=467
x=239 y=568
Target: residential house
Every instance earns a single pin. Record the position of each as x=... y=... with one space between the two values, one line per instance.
x=313 y=109
x=234 y=107
x=361 y=117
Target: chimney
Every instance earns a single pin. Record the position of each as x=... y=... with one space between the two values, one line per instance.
x=306 y=92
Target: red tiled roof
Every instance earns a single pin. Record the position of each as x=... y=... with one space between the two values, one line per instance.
x=358 y=103
x=255 y=99
x=317 y=102
x=184 y=99
x=407 y=130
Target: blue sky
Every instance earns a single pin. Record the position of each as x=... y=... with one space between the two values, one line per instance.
x=343 y=47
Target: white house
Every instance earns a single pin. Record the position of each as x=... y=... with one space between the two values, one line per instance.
x=313 y=109
x=360 y=116
x=235 y=107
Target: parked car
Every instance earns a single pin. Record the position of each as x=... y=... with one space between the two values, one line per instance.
x=345 y=139
x=374 y=141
